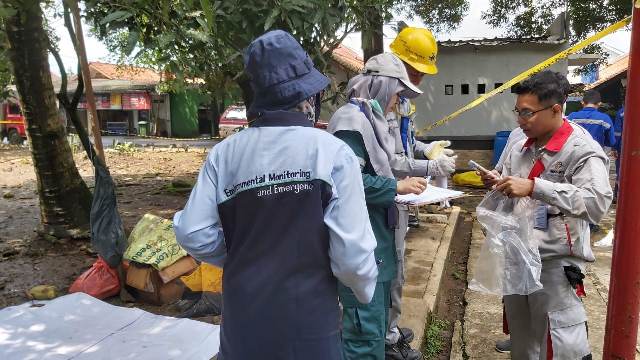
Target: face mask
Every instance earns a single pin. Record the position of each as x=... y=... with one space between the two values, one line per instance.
x=307 y=107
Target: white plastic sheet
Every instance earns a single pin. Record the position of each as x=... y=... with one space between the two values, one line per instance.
x=509 y=262
x=78 y=326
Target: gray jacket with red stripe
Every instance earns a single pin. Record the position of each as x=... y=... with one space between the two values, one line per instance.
x=574 y=186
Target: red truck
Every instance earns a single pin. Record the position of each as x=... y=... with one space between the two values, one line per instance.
x=12 y=122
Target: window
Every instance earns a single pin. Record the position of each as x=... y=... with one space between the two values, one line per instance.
x=464 y=89
x=14 y=109
x=497 y=85
x=482 y=88
x=448 y=89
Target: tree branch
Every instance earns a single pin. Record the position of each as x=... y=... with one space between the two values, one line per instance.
x=62 y=94
x=69 y=25
x=79 y=89
x=339 y=41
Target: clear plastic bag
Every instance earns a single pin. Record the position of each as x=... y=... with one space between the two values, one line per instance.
x=509 y=262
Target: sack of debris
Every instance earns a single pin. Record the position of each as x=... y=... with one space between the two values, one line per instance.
x=509 y=262
x=160 y=272
x=153 y=242
x=155 y=262
x=100 y=281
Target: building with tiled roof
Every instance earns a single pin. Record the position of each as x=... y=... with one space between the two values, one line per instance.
x=348 y=58
x=612 y=82
x=615 y=69
x=100 y=70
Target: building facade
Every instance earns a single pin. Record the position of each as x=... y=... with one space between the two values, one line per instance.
x=468 y=69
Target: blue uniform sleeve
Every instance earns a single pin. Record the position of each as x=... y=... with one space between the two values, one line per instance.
x=197 y=227
x=352 y=242
x=610 y=134
x=618 y=125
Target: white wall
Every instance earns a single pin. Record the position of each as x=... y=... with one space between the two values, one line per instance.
x=472 y=65
x=160 y=114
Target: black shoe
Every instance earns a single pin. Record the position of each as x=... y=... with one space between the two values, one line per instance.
x=209 y=304
x=503 y=346
x=413 y=221
x=401 y=351
x=406 y=335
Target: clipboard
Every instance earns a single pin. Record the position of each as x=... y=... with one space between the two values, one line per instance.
x=431 y=195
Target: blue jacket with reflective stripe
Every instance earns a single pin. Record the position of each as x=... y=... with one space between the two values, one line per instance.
x=617 y=128
x=598 y=124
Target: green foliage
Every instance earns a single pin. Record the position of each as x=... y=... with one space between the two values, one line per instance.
x=127 y=148
x=6 y=77
x=531 y=18
x=437 y=15
x=433 y=342
x=204 y=39
x=525 y=18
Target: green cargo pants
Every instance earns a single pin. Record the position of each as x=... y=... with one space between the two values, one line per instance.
x=364 y=325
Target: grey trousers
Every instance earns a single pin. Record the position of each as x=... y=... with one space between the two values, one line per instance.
x=393 y=334
x=550 y=323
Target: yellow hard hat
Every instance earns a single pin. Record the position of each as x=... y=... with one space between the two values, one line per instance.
x=418 y=48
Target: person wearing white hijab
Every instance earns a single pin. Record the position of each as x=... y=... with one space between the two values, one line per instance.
x=362 y=125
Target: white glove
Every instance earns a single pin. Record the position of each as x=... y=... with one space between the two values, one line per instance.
x=436 y=149
x=442 y=166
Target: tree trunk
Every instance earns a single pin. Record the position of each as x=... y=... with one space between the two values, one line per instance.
x=214 y=115
x=65 y=200
x=247 y=94
x=373 y=36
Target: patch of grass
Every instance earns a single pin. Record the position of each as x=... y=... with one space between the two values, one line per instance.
x=458 y=275
x=126 y=148
x=178 y=187
x=433 y=342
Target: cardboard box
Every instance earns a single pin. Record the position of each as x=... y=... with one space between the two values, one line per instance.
x=150 y=288
x=185 y=265
x=140 y=278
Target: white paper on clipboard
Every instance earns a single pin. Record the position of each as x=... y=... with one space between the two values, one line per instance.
x=432 y=194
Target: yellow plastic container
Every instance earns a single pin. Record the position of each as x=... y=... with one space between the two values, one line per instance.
x=469 y=178
x=205 y=278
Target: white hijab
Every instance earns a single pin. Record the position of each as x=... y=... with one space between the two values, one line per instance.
x=369 y=95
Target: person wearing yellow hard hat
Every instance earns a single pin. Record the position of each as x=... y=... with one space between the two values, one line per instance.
x=417 y=49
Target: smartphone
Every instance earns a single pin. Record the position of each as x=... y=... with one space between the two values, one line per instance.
x=474 y=165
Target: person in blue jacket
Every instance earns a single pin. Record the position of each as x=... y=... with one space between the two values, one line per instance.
x=617 y=129
x=597 y=123
x=281 y=207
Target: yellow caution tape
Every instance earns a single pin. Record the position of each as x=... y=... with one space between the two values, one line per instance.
x=535 y=69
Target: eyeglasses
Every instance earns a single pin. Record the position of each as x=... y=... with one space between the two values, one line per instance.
x=528 y=114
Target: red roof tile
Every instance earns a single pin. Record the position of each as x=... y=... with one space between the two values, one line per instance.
x=348 y=58
x=611 y=71
x=123 y=72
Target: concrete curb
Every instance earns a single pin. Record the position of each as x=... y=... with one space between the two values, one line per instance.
x=457 y=343
x=417 y=314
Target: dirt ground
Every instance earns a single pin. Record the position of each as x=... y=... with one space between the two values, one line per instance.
x=144 y=180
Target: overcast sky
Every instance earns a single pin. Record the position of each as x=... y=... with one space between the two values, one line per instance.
x=472 y=27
